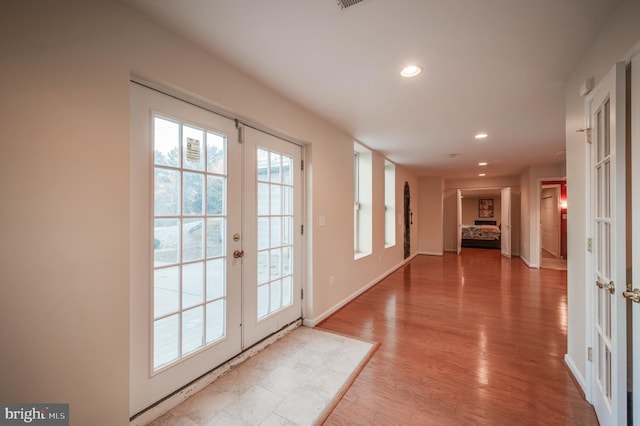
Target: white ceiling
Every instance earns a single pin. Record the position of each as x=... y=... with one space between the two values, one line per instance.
x=497 y=66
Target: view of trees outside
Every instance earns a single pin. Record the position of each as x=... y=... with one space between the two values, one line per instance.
x=190 y=221
x=189 y=239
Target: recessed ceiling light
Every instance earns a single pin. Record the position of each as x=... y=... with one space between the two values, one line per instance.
x=482 y=174
x=481 y=136
x=484 y=163
x=410 y=71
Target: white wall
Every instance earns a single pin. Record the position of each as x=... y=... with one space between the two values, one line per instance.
x=619 y=35
x=64 y=185
x=430 y=238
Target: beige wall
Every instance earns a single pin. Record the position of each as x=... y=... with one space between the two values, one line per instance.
x=430 y=237
x=617 y=38
x=64 y=185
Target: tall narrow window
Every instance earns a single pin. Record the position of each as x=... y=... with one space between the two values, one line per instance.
x=190 y=181
x=389 y=204
x=356 y=200
x=362 y=207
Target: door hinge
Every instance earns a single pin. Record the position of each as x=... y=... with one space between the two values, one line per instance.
x=590 y=354
x=588 y=133
x=301 y=293
x=302 y=165
x=589 y=245
x=240 y=128
x=301 y=229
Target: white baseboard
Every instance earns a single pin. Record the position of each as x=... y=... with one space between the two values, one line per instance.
x=576 y=374
x=530 y=265
x=430 y=253
x=174 y=400
x=312 y=322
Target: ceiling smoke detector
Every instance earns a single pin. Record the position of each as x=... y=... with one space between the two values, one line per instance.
x=348 y=3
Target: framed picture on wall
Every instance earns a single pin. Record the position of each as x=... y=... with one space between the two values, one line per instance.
x=485 y=207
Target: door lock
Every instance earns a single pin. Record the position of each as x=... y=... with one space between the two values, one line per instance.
x=237 y=254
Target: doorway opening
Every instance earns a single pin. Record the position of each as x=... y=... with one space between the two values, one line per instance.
x=553 y=224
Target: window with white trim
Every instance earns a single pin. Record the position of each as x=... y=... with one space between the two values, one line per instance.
x=362 y=203
x=389 y=204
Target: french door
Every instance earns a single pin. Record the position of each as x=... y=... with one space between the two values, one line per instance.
x=215 y=262
x=606 y=117
x=273 y=230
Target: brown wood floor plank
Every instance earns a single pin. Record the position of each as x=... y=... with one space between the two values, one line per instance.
x=475 y=339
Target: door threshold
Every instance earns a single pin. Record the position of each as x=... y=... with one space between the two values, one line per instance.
x=171 y=401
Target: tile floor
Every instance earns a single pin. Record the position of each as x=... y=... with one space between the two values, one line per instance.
x=547 y=260
x=295 y=381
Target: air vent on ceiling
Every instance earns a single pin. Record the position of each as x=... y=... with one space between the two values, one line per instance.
x=347 y=3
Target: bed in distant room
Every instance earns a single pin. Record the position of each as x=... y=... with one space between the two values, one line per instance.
x=484 y=234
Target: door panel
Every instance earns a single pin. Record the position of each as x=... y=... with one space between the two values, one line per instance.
x=550 y=221
x=273 y=235
x=505 y=231
x=408 y=219
x=606 y=115
x=458 y=221
x=185 y=288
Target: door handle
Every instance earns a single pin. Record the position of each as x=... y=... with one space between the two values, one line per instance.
x=237 y=254
x=633 y=295
x=611 y=287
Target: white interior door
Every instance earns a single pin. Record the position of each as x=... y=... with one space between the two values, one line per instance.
x=273 y=234
x=459 y=221
x=634 y=295
x=550 y=220
x=505 y=229
x=606 y=117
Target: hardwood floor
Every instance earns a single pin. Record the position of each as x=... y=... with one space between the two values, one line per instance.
x=475 y=339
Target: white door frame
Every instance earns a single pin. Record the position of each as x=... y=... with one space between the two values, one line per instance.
x=635 y=231
x=535 y=246
x=458 y=221
x=506 y=219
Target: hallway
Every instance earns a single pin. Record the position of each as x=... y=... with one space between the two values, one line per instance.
x=466 y=340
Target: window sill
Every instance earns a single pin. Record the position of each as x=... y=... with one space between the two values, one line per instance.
x=359 y=256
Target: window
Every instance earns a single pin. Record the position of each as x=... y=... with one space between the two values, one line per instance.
x=389 y=204
x=362 y=201
x=189 y=231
